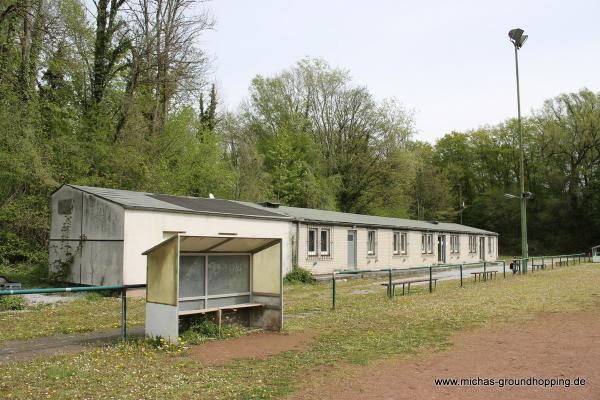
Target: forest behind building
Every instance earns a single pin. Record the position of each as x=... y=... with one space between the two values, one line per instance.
x=118 y=93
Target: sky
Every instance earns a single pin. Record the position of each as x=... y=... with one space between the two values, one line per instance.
x=451 y=62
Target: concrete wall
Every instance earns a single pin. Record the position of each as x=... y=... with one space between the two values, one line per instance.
x=145 y=229
x=86 y=237
x=162 y=320
x=384 y=257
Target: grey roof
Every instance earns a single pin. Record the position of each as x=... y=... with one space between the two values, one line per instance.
x=151 y=201
x=197 y=205
x=310 y=215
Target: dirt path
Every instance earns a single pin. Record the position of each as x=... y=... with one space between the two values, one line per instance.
x=18 y=350
x=549 y=346
x=259 y=346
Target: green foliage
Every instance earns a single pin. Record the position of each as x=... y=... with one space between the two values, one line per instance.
x=200 y=329
x=93 y=296
x=29 y=275
x=85 y=99
x=9 y=303
x=58 y=373
x=299 y=275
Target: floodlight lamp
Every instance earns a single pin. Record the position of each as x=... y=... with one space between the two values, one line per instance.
x=517 y=38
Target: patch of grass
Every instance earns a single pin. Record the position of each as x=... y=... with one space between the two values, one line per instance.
x=77 y=316
x=12 y=303
x=366 y=327
x=58 y=373
x=93 y=296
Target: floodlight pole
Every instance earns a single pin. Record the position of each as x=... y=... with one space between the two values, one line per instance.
x=522 y=199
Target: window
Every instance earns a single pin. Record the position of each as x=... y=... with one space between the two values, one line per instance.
x=490 y=245
x=454 y=244
x=371 y=243
x=403 y=243
x=319 y=242
x=324 y=249
x=427 y=243
x=312 y=242
x=472 y=244
x=400 y=243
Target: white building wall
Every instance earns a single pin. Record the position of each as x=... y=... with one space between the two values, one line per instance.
x=145 y=229
x=384 y=257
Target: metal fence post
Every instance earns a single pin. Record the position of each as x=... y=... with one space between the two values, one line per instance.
x=333 y=291
x=430 y=278
x=124 y=313
x=484 y=271
x=390 y=290
x=504 y=269
x=461 y=275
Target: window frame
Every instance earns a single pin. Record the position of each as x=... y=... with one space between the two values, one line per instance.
x=396 y=243
x=455 y=244
x=371 y=252
x=327 y=242
x=403 y=243
x=473 y=244
x=430 y=243
x=315 y=231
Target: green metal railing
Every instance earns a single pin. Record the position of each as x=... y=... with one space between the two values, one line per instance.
x=563 y=259
x=121 y=288
x=390 y=271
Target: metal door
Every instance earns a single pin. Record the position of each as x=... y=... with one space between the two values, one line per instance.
x=441 y=248
x=351 y=249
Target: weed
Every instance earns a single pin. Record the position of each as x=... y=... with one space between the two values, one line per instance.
x=12 y=303
x=300 y=275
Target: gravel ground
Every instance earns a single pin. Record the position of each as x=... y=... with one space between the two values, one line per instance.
x=34 y=299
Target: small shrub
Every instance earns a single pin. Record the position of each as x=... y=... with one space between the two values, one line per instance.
x=206 y=327
x=93 y=296
x=8 y=303
x=201 y=329
x=300 y=275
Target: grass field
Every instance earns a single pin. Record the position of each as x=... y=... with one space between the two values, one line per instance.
x=84 y=314
x=366 y=327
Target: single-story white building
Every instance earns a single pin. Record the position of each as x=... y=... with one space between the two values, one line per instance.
x=98 y=235
x=325 y=241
